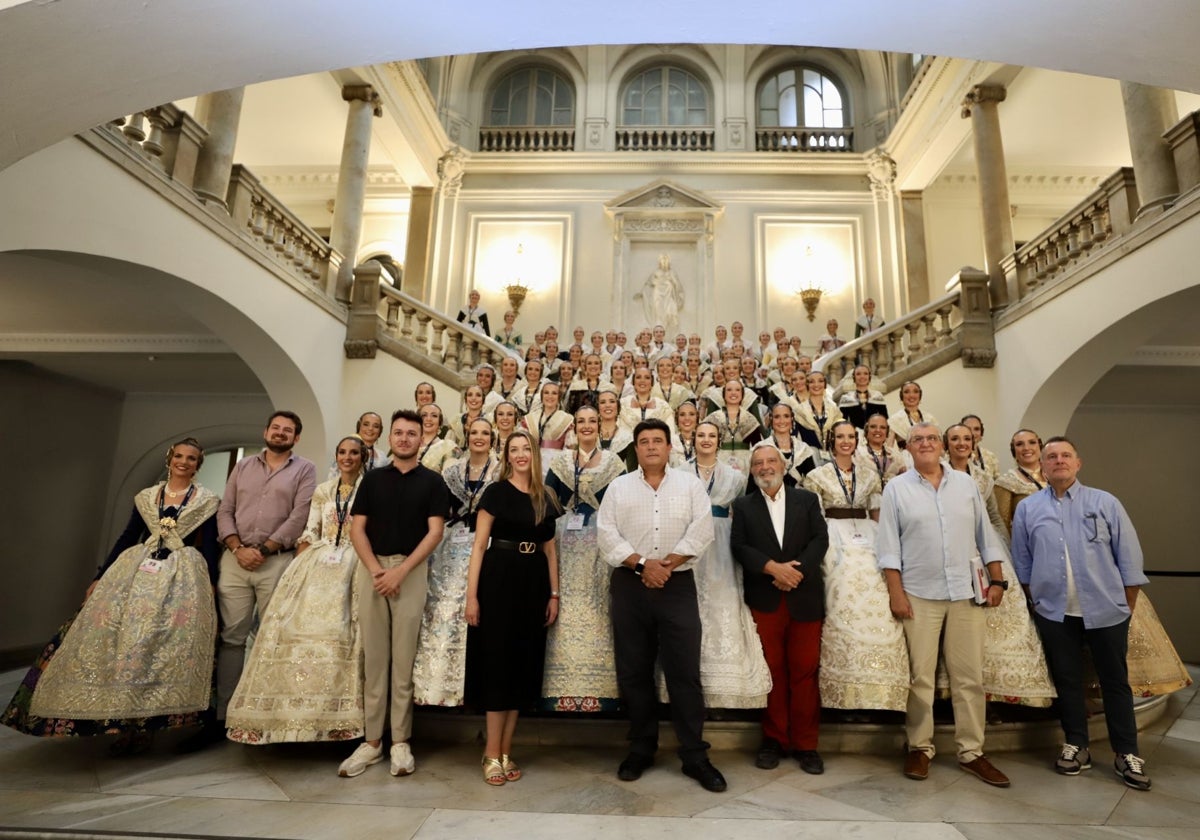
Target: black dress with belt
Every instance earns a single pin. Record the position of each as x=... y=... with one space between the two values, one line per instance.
x=507 y=650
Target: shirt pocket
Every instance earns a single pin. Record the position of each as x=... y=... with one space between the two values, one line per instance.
x=1095 y=528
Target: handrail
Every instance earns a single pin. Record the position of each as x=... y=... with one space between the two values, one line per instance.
x=383 y=316
x=883 y=350
x=1087 y=227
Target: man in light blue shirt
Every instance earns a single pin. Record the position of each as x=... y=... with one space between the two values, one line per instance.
x=1078 y=559
x=932 y=526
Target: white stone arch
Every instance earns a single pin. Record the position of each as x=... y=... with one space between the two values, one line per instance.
x=497 y=65
x=1050 y=358
x=843 y=66
x=690 y=57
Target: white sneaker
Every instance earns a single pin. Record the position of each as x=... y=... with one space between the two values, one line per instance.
x=402 y=760
x=360 y=760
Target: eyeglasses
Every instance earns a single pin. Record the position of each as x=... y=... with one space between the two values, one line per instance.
x=919 y=439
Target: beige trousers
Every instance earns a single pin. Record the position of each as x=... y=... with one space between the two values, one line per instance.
x=965 y=624
x=389 y=628
x=240 y=595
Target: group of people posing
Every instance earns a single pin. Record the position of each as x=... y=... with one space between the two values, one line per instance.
x=723 y=533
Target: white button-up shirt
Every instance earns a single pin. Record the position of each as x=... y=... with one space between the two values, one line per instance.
x=777 y=508
x=635 y=518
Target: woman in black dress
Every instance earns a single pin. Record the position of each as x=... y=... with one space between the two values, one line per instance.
x=512 y=597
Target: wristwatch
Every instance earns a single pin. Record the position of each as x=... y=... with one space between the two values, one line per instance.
x=640 y=567
x=1003 y=584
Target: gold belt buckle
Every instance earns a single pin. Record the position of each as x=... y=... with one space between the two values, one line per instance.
x=527 y=547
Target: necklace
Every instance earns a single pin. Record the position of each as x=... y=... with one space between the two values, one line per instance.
x=709 y=473
x=175 y=494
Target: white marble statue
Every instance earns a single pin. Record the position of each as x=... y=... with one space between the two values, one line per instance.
x=662 y=296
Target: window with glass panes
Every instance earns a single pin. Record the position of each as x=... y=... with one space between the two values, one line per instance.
x=801 y=97
x=532 y=96
x=665 y=96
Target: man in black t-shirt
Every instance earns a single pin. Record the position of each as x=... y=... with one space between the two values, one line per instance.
x=397 y=521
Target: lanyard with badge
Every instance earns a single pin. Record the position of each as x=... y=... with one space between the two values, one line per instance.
x=857 y=537
x=466 y=535
x=576 y=520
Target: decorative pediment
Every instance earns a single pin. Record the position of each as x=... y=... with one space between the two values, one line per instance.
x=663 y=196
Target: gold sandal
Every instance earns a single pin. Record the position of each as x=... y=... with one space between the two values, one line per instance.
x=493 y=771
x=511 y=771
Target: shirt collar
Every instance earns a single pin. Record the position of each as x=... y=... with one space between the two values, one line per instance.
x=262 y=456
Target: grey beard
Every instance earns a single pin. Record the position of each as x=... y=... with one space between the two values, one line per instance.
x=765 y=484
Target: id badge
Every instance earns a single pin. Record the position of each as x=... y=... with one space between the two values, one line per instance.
x=151 y=565
x=859 y=539
x=461 y=537
x=575 y=522
x=334 y=557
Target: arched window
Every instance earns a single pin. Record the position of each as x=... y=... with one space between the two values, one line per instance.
x=802 y=97
x=665 y=96
x=532 y=96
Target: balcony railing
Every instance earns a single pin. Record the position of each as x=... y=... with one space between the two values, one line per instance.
x=527 y=138
x=696 y=139
x=804 y=140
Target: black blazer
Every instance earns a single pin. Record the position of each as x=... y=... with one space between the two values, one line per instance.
x=805 y=538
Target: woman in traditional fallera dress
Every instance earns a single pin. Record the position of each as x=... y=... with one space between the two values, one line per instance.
x=864 y=658
x=580 y=672
x=440 y=665
x=548 y=424
x=473 y=404
x=528 y=394
x=642 y=405
x=875 y=449
x=687 y=417
x=1014 y=662
x=512 y=597
x=1154 y=665
x=799 y=459
x=910 y=413
x=733 y=670
x=614 y=435
x=506 y=417
x=303 y=680
x=436 y=451
x=138 y=656
x=816 y=415
x=740 y=428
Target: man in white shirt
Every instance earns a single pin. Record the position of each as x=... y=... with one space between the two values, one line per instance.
x=653 y=524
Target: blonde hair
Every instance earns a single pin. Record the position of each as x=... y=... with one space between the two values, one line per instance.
x=537 y=485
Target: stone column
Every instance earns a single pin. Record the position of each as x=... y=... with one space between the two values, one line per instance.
x=416 y=251
x=352 y=182
x=219 y=112
x=891 y=297
x=916 y=257
x=1149 y=112
x=981 y=106
x=446 y=286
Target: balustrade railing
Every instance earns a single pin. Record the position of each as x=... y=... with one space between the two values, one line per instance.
x=804 y=139
x=382 y=315
x=665 y=139
x=527 y=138
x=166 y=137
x=277 y=231
x=1083 y=230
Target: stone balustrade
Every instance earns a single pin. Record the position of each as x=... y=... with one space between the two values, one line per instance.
x=681 y=139
x=804 y=140
x=383 y=316
x=164 y=136
x=279 y=232
x=527 y=138
x=958 y=324
x=1083 y=230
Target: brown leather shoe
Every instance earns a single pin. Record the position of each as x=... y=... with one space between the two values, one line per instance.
x=916 y=765
x=983 y=768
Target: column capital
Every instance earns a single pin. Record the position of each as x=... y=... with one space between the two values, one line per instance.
x=980 y=94
x=363 y=93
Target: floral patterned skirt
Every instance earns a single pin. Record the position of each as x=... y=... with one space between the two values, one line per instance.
x=138 y=656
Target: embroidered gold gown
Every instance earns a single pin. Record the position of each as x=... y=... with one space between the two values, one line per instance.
x=303 y=678
x=864 y=658
x=142 y=645
x=580 y=673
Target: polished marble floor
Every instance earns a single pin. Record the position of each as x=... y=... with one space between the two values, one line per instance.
x=70 y=787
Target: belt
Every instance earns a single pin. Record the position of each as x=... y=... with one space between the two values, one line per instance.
x=720 y=511
x=845 y=513
x=524 y=546
x=735 y=446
